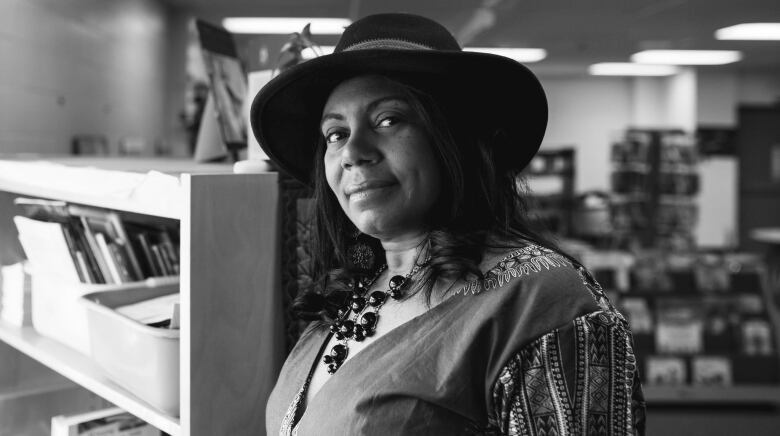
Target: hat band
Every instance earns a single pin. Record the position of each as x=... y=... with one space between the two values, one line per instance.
x=392 y=44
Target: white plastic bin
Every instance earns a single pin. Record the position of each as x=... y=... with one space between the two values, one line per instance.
x=142 y=359
x=57 y=314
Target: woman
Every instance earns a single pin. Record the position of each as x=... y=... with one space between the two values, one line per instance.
x=436 y=309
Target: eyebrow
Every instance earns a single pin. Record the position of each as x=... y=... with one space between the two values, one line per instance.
x=370 y=107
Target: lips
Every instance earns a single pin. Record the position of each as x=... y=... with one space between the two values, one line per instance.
x=356 y=188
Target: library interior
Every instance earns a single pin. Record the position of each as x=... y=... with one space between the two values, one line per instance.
x=150 y=250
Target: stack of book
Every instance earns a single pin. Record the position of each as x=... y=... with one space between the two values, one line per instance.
x=106 y=422
x=15 y=301
x=93 y=245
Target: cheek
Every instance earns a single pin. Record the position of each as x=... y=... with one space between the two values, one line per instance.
x=332 y=172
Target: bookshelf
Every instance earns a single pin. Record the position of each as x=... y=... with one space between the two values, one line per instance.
x=232 y=341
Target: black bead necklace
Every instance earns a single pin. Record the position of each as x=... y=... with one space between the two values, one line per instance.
x=365 y=313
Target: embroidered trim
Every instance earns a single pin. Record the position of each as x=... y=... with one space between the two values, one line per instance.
x=521 y=262
x=286 y=429
x=393 y=44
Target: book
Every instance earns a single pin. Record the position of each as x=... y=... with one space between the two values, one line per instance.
x=151 y=311
x=159 y=260
x=15 y=295
x=169 y=245
x=123 y=240
x=89 y=254
x=666 y=371
x=105 y=422
x=757 y=337
x=711 y=371
x=82 y=262
x=167 y=263
x=110 y=224
x=119 y=255
x=69 y=240
x=46 y=248
x=113 y=268
x=97 y=253
x=639 y=315
x=148 y=256
x=680 y=326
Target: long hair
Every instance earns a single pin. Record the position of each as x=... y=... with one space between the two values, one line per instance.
x=481 y=206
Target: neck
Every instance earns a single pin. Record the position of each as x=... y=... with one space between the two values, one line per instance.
x=401 y=253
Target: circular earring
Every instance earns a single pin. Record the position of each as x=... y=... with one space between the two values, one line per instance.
x=362 y=253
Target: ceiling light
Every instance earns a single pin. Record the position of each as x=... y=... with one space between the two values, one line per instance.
x=631 y=69
x=750 y=31
x=686 y=57
x=518 y=54
x=283 y=26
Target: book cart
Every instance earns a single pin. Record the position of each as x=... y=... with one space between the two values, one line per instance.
x=231 y=339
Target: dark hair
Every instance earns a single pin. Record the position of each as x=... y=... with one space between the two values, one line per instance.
x=483 y=207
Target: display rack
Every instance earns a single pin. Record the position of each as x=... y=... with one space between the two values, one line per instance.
x=704 y=324
x=550 y=178
x=231 y=342
x=654 y=181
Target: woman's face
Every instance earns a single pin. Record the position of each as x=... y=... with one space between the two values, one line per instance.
x=378 y=160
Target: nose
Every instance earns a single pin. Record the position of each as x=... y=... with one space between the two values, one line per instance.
x=360 y=149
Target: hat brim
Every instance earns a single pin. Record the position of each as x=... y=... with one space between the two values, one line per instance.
x=487 y=90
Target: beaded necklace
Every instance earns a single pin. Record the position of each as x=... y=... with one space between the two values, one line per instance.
x=365 y=313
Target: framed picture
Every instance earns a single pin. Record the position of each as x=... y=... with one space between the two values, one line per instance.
x=228 y=85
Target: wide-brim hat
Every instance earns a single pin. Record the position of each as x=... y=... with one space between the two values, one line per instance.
x=479 y=90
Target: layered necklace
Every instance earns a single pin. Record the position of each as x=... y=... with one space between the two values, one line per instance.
x=358 y=319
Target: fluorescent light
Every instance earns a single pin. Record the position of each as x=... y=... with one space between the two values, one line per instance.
x=518 y=54
x=283 y=26
x=631 y=69
x=750 y=31
x=686 y=57
x=308 y=53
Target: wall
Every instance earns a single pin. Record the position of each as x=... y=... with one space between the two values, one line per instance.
x=83 y=67
x=587 y=114
x=590 y=112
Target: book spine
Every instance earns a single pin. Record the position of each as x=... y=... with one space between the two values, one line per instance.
x=89 y=256
x=113 y=269
x=170 y=246
x=97 y=252
x=122 y=263
x=146 y=247
x=158 y=258
x=124 y=240
x=169 y=268
x=82 y=261
x=69 y=241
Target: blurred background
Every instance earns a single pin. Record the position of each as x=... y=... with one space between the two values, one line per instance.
x=660 y=167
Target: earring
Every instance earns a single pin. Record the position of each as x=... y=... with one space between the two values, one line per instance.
x=362 y=253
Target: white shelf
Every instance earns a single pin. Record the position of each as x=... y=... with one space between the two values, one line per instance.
x=83 y=371
x=144 y=186
x=229 y=234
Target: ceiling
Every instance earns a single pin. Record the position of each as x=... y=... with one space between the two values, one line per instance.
x=575 y=33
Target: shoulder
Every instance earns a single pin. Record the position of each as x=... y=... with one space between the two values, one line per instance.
x=532 y=269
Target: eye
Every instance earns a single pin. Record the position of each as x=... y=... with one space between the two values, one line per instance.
x=335 y=136
x=388 y=121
